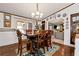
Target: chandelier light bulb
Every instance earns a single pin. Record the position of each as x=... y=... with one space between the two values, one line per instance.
x=37 y=14
x=41 y=14
x=33 y=14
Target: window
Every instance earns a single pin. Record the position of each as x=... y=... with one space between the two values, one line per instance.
x=20 y=25
x=30 y=26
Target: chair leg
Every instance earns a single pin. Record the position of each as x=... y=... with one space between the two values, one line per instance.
x=31 y=47
x=44 y=49
x=47 y=47
x=51 y=46
x=20 y=49
x=44 y=46
x=26 y=47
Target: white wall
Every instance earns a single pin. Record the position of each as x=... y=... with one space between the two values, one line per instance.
x=1 y=20
x=46 y=25
x=16 y=18
x=7 y=38
x=13 y=22
x=70 y=10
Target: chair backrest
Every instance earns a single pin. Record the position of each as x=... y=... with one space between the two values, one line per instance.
x=48 y=33
x=42 y=34
x=18 y=33
x=29 y=31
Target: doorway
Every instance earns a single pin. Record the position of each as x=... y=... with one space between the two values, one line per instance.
x=74 y=27
x=57 y=26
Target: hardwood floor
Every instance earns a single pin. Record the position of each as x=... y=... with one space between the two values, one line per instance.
x=8 y=50
x=64 y=50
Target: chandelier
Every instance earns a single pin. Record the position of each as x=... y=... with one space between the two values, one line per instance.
x=37 y=15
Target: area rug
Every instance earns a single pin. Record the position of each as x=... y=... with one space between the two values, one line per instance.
x=40 y=52
x=54 y=49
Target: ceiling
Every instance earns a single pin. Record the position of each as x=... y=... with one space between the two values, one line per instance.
x=25 y=9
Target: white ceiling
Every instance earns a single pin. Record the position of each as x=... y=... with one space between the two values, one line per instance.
x=25 y=9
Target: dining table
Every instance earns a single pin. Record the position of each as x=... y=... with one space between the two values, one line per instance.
x=33 y=38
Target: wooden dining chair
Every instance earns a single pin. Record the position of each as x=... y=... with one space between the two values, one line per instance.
x=48 y=39
x=29 y=31
x=22 y=44
x=19 y=42
x=41 y=40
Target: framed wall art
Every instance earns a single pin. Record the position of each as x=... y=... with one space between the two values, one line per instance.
x=7 y=20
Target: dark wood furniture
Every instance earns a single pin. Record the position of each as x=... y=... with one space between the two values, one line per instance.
x=32 y=38
x=19 y=42
x=36 y=41
x=29 y=31
x=44 y=39
x=23 y=43
x=41 y=39
x=43 y=25
x=48 y=38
